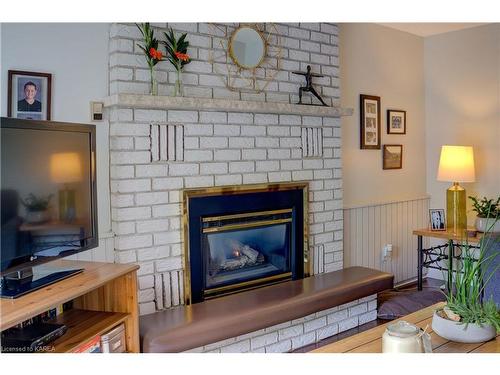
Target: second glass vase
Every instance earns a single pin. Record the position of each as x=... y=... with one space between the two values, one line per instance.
x=179 y=86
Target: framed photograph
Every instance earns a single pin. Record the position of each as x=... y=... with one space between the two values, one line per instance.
x=393 y=157
x=370 y=122
x=437 y=219
x=396 y=121
x=29 y=95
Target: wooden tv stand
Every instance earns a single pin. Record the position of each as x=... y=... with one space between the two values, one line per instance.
x=104 y=295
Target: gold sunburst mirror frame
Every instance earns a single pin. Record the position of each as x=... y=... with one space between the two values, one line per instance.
x=236 y=75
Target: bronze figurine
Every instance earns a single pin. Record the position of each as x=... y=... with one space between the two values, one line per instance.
x=309 y=87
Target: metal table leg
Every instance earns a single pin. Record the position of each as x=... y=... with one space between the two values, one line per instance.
x=420 y=262
x=451 y=255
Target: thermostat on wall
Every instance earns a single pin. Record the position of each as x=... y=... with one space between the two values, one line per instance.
x=96 y=109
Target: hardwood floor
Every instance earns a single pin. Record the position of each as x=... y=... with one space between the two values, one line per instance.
x=381 y=298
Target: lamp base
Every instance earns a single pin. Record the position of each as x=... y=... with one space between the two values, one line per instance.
x=67 y=205
x=455 y=209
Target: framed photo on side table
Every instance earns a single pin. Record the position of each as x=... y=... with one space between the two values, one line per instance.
x=29 y=95
x=437 y=219
x=396 y=121
x=393 y=157
x=370 y=122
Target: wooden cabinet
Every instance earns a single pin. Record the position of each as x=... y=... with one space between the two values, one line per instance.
x=104 y=295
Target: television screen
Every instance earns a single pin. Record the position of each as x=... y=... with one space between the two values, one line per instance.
x=48 y=202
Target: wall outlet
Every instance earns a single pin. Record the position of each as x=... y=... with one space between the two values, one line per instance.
x=386 y=252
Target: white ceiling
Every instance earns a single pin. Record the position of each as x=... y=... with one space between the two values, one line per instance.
x=428 y=29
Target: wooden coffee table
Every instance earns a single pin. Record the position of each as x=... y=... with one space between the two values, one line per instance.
x=371 y=341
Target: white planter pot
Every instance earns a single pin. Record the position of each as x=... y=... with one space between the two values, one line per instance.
x=455 y=331
x=483 y=224
x=37 y=217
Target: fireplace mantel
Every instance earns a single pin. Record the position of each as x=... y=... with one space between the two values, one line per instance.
x=207 y=104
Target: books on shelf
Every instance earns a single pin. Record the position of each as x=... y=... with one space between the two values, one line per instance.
x=91 y=346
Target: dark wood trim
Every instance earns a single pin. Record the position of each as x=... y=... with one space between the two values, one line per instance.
x=383 y=157
x=362 y=99
x=389 y=121
x=11 y=73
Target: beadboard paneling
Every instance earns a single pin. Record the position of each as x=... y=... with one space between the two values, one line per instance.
x=367 y=229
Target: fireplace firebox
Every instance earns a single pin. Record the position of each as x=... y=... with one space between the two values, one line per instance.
x=243 y=237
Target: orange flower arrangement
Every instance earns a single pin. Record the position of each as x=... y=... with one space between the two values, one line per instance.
x=181 y=56
x=155 y=54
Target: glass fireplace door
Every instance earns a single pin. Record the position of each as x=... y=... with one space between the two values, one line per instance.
x=246 y=249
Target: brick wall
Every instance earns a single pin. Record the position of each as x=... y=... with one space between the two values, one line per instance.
x=219 y=148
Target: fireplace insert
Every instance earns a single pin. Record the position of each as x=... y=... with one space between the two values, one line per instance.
x=243 y=237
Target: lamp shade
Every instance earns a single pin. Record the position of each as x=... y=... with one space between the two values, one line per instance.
x=65 y=167
x=456 y=164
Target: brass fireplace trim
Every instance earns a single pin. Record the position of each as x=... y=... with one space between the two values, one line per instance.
x=246 y=225
x=240 y=189
x=250 y=214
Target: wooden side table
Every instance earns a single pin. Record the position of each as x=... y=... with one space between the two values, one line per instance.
x=430 y=257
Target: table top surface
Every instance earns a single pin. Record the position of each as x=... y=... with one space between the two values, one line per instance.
x=371 y=341
x=447 y=235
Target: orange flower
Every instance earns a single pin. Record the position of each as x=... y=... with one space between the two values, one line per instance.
x=155 y=54
x=181 y=56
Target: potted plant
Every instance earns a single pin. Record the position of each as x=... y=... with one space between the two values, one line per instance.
x=468 y=315
x=487 y=213
x=37 y=208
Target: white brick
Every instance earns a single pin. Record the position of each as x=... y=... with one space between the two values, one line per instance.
x=267 y=339
x=166 y=210
x=254 y=178
x=123 y=129
x=147 y=308
x=372 y=305
x=122 y=200
x=229 y=179
x=121 y=228
x=146 y=295
x=152 y=253
x=239 y=347
x=167 y=238
x=315 y=324
x=213 y=142
x=242 y=142
x=213 y=117
x=130 y=157
x=169 y=264
x=358 y=309
x=222 y=155
x=280 y=347
x=337 y=316
x=118 y=171
x=199 y=181
x=267 y=142
x=253 y=154
x=347 y=324
x=132 y=213
x=198 y=155
x=303 y=340
x=151 y=170
x=240 y=118
x=146 y=115
x=133 y=242
x=184 y=169
x=327 y=331
x=168 y=183
x=213 y=168
x=183 y=116
x=289 y=332
x=130 y=186
x=280 y=176
x=228 y=130
x=126 y=257
x=265 y=119
x=290 y=120
x=250 y=130
x=152 y=226
x=241 y=167
x=367 y=317
x=267 y=166
x=278 y=131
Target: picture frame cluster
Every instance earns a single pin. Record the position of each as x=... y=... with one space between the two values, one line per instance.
x=370 y=130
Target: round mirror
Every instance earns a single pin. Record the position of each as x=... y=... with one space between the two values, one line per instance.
x=247 y=48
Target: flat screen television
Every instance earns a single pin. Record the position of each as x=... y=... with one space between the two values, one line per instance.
x=48 y=200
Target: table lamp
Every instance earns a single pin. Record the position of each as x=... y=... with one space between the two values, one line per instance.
x=66 y=168
x=456 y=164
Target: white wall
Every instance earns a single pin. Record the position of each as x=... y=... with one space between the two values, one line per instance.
x=77 y=57
x=462 y=92
x=380 y=61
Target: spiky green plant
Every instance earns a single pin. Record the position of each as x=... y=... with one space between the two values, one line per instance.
x=150 y=48
x=486 y=208
x=465 y=297
x=176 y=49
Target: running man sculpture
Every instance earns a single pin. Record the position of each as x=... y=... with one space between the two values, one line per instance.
x=308 y=87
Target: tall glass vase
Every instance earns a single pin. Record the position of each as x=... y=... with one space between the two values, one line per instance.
x=179 y=86
x=153 y=90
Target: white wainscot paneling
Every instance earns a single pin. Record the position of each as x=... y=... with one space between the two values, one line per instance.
x=368 y=229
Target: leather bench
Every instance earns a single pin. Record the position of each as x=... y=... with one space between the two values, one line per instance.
x=187 y=327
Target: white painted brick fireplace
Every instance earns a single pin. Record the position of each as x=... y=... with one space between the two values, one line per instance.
x=223 y=145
